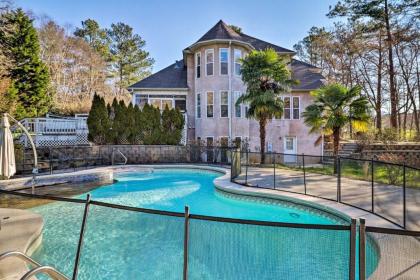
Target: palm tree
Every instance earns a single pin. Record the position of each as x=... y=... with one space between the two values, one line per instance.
x=266 y=76
x=335 y=106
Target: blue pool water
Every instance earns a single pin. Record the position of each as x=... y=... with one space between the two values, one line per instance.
x=121 y=244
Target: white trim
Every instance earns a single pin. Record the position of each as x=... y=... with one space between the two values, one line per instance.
x=206 y=52
x=236 y=95
x=196 y=105
x=156 y=89
x=284 y=108
x=234 y=62
x=207 y=104
x=195 y=65
x=292 y=108
x=220 y=103
x=287 y=152
x=220 y=61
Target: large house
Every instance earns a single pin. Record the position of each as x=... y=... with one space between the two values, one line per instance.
x=207 y=82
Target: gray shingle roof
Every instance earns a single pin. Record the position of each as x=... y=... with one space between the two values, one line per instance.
x=173 y=76
x=308 y=75
x=222 y=31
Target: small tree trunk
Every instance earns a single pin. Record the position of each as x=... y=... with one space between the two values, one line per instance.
x=336 y=144
x=263 y=123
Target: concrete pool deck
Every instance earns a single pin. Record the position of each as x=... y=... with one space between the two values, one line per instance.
x=21 y=230
x=399 y=255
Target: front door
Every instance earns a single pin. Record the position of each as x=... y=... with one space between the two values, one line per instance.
x=290 y=149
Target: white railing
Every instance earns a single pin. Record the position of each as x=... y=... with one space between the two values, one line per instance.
x=184 y=130
x=49 y=132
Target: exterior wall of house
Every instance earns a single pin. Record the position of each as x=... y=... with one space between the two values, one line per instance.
x=218 y=127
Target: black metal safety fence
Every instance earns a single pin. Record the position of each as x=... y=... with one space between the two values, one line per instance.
x=187 y=241
x=389 y=190
x=257 y=249
x=72 y=158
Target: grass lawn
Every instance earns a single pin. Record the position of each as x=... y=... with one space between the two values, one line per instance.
x=361 y=170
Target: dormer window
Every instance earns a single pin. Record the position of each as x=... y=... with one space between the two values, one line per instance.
x=224 y=61
x=198 y=65
x=209 y=62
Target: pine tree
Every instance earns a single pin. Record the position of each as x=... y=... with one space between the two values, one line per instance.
x=28 y=73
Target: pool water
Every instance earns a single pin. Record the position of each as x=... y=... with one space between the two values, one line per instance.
x=121 y=244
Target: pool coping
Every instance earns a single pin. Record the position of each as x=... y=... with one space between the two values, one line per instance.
x=105 y=175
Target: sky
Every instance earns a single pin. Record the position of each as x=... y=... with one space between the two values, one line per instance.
x=170 y=26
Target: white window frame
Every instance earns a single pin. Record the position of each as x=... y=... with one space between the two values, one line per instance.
x=161 y=99
x=212 y=137
x=220 y=61
x=198 y=106
x=220 y=103
x=198 y=54
x=292 y=109
x=236 y=95
x=206 y=52
x=211 y=104
x=234 y=61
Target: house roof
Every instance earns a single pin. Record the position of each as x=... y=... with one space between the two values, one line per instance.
x=309 y=76
x=222 y=31
x=174 y=76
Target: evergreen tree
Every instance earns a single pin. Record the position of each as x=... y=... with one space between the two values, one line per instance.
x=97 y=121
x=172 y=125
x=28 y=73
x=152 y=125
x=95 y=36
x=138 y=127
x=130 y=61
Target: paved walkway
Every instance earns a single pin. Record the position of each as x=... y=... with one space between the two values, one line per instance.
x=388 y=199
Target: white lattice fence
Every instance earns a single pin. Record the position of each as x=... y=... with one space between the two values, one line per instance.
x=54 y=132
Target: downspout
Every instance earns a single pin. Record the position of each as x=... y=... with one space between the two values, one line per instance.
x=35 y=169
x=230 y=91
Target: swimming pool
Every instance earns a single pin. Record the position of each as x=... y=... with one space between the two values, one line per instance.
x=121 y=244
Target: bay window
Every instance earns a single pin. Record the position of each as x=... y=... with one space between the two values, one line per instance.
x=198 y=106
x=198 y=65
x=209 y=62
x=237 y=55
x=224 y=104
x=224 y=61
x=210 y=104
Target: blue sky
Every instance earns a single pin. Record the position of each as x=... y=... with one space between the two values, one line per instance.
x=170 y=26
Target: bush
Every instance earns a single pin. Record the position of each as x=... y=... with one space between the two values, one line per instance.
x=121 y=124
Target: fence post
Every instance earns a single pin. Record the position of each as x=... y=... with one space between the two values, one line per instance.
x=246 y=168
x=352 y=269
x=82 y=233
x=186 y=239
x=304 y=172
x=274 y=169
x=362 y=249
x=372 y=185
x=404 y=198
x=338 y=161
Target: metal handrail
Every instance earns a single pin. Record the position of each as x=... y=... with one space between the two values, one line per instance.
x=52 y=272
x=124 y=157
x=19 y=255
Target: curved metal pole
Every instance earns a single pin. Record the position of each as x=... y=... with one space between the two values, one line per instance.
x=35 y=169
x=52 y=272
x=20 y=256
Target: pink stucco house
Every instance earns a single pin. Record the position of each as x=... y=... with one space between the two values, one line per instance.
x=207 y=82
